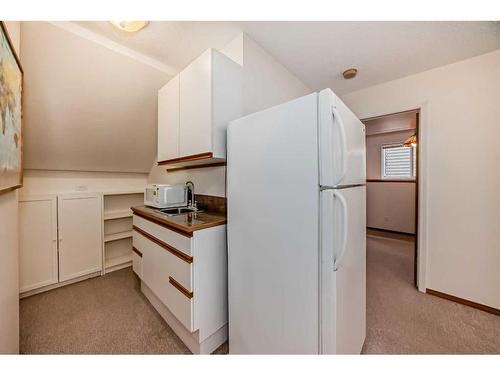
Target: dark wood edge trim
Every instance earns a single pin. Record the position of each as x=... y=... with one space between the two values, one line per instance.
x=218 y=164
x=179 y=254
x=136 y=251
x=391 y=231
x=10 y=188
x=462 y=301
x=180 y=288
x=398 y=181
x=161 y=223
x=204 y=155
x=21 y=138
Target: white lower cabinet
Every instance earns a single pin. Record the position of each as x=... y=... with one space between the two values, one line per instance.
x=60 y=239
x=37 y=242
x=137 y=262
x=80 y=235
x=188 y=276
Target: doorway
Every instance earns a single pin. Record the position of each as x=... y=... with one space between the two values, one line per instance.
x=392 y=179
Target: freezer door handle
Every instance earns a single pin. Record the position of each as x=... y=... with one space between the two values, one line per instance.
x=343 y=143
x=343 y=243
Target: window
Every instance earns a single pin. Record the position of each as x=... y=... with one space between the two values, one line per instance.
x=399 y=162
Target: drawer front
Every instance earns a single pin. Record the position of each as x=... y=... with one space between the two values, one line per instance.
x=166 y=235
x=137 y=262
x=168 y=276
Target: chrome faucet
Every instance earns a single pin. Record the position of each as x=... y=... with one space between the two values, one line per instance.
x=190 y=194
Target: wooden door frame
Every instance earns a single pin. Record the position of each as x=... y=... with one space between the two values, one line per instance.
x=420 y=258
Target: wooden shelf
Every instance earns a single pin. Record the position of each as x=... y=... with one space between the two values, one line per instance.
x=111 y=215
x=117 y=236
x=119 y=262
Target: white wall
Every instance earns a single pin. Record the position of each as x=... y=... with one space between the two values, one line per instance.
x=54 y=182
x=459 y=179
x=9 y=252
x=87 y=106
x=265 y=83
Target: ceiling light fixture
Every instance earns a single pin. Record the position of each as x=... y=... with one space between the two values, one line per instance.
x=129 y=26
x=410 y=141
x=350 y=73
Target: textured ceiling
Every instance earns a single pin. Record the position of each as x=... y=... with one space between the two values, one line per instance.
x=317 y=52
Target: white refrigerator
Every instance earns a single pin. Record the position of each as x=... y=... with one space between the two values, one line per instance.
x=296 y=199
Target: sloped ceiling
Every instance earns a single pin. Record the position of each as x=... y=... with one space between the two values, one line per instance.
x=318 y=52
x=86 y=106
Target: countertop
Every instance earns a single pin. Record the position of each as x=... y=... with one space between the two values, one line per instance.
x=184 y=224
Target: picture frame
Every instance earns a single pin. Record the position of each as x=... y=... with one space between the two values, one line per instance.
x=11 y=98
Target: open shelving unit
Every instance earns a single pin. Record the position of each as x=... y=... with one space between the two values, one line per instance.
x=117 y=228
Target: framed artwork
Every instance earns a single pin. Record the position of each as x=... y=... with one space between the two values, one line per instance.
x=11 y=87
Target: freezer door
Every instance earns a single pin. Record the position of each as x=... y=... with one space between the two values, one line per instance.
x=341 y=143
x=343 y=270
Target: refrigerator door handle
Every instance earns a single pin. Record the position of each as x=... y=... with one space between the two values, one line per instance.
x=343 y=142
x=343 y=247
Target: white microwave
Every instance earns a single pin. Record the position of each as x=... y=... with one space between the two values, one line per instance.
x=165 y=196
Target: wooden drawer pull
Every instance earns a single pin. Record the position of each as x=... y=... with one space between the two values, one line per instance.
x=179 y=254
x=180 y=288
x=136 y=251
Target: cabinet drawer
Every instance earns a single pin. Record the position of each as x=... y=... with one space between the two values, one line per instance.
x=137 y=262
x=166 y=235
x=168 y=276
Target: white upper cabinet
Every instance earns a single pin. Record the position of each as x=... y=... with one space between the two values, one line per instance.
x=168 y=120
x=194 y=109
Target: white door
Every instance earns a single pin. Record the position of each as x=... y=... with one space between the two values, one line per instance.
x=168 y=120
x=196 y=106
x=343 y=270
x=341 y=143
x=80 y=235
x=37 y=242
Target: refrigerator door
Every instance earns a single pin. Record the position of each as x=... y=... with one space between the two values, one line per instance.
x=341 y=143
x=343 y=270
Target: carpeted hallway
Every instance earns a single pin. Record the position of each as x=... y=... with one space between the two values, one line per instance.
x=109 y=315
x=401 y=320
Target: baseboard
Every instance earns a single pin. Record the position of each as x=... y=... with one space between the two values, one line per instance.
x=465 y=302
x=32 y=292
x=391 y=231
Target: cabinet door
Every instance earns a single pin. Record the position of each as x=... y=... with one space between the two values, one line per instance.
x=80 y=235
x=168 y=120
x=196 y=107
x=37 y=242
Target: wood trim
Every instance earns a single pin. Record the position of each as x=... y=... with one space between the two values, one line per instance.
x=155 y=220
x=399 y=181
x=391 y=231
x=180 y=288
x=465 y=302
x=21 y=127
x=218 y=164
x=204 y=155
x=136 y=251
x=179 y=254
x=417 y=179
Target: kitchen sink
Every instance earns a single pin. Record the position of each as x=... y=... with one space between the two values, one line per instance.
x=178 y=211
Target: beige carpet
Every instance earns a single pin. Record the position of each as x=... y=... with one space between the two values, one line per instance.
x=110 y=315
x=103 y=315
x=402 y=320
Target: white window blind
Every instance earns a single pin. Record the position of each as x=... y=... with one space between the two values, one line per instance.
x=399 y=162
